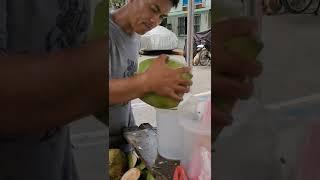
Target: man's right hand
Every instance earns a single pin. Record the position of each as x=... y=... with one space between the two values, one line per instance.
x=159 y=78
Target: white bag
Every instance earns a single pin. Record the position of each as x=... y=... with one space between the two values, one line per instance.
x=159 y=38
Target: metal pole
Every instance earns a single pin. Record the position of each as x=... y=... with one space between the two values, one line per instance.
x=190 y=22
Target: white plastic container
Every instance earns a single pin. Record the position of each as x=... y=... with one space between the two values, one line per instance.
x=195 y=121
x=195 y=138
x=169 y=134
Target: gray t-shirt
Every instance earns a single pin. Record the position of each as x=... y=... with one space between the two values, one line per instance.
x=123 y=55
x=40 y=26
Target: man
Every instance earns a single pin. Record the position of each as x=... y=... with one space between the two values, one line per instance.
x=125 y=25
x=49 y=77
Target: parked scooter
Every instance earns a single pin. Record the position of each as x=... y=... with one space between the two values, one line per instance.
x=201 y=48
x=203 y=56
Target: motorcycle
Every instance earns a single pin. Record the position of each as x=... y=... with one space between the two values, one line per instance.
x=203 y=56
x=201 y=48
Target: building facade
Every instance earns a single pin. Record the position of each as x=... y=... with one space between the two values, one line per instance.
x=177 y=19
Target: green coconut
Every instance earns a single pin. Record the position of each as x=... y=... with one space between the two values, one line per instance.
x=244 y=46
x=154 y=99
x=117 y=164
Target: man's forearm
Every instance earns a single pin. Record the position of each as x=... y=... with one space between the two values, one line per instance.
x=124 y=90
x=38 y=92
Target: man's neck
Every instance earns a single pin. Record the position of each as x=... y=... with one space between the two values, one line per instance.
x=120 y=17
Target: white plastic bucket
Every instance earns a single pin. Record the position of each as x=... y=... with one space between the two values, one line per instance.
x=169 y=134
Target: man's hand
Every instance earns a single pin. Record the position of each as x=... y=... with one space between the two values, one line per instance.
x=230 y=71
x=165 y=81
